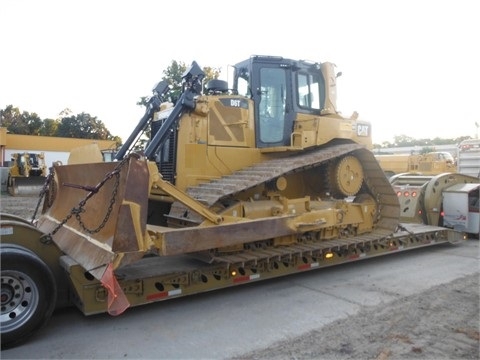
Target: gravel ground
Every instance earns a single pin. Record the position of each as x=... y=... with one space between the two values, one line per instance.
x=441 y=323
x=23 y=206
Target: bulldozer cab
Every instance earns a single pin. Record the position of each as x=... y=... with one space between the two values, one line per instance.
x=280 y=89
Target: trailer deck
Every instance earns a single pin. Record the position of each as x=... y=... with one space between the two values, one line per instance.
x=157 y=278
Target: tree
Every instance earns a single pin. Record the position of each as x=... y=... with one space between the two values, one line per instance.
x=173 y=75
x=50 y=127
x=406 y=141
x=211 y=73
x=84 y=126
x=34 y=123
x=11 y=119
x=24 y=123
x=117 y=139
x=403 y=140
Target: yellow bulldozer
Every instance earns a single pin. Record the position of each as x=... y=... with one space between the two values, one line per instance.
x=269 y=161
x=27 y=174
x=238 y=182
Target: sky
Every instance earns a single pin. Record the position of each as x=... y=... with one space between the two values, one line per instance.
x=410 y=67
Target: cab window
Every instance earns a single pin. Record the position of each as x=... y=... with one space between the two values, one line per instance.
x=308 y=91
x=271 y=109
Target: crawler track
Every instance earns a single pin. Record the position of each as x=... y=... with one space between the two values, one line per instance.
x=378 y=185
x=229 y=185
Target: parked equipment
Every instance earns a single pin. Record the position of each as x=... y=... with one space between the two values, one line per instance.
x=27 y=174
x=431 y=163
x=237 y=183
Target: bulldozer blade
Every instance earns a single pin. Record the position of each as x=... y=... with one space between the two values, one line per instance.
x=25 y=186
x=98 y=215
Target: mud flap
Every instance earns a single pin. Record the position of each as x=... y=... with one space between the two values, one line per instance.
x=117 y=301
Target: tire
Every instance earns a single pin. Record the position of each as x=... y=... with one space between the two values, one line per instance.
x=28 y=294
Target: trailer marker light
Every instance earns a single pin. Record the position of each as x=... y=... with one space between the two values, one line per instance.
x=406 y=194
x=246 y=278
x=164 y=294
x=234 y=273
x=357 y=256
x=308 y=266
x=329 y=255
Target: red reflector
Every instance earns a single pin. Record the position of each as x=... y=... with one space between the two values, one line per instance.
x=304 y=267
x=241 y=279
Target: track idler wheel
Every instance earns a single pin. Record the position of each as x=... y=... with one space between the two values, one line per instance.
x=346 y=176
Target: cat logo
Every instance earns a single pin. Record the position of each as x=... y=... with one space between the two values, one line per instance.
x=363 y=129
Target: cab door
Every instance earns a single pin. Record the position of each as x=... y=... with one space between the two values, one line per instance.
x=271 y=92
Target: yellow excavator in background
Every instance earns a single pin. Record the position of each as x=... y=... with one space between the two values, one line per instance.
x=27 y=174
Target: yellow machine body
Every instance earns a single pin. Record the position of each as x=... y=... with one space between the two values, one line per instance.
x=27 y=174
x=269 y=169
x=432 y=163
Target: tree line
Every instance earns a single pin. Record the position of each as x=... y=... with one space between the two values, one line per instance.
x=427 y=144
x=83 y=125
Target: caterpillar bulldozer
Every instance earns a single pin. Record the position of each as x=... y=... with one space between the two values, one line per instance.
x=27 y=174
x=238 y=182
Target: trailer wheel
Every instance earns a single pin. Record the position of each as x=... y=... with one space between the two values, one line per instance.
x=28 y=294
